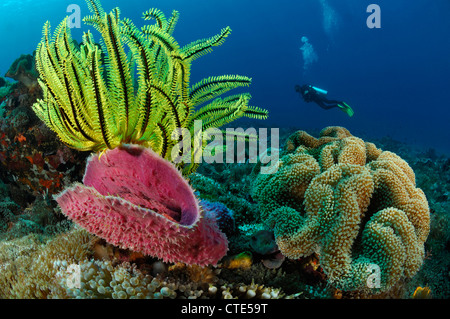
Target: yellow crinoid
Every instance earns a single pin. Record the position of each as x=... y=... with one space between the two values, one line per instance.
x=133 y=87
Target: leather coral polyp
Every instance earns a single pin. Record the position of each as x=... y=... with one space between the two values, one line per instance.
x=135 y=199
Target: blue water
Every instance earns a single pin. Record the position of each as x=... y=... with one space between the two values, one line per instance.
x=396 y=78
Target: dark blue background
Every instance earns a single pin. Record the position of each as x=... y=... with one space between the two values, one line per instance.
x=396 y=78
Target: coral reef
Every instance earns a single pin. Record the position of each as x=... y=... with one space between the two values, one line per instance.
x=33 y=161
x=66 y=267
x=24 y=71
x=135 y=199
x=322 y=186
x=299 y=278
x=101 y=279
x=33 y=165
x=356 y=206
x=28 y=264
x=263 y=243
x=5 y=89
x=38 y=164
x=223 y=216
x=229 y=185
x=245 y=210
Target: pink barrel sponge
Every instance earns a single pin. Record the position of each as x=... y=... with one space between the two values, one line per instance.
x=135 y=199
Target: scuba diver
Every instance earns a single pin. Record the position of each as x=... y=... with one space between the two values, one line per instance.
x=314 y=94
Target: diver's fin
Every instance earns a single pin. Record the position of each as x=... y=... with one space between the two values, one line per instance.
x=346 y=108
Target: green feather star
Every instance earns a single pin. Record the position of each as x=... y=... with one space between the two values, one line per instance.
x=133 y=87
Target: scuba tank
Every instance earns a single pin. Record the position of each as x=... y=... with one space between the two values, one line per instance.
x=320 y=91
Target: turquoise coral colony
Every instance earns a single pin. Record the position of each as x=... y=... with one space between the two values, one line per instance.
x=161 y=212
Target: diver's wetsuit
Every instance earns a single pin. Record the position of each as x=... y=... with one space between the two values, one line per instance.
x=310 y=94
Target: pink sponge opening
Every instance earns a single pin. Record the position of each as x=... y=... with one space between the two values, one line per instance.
x=143 y=178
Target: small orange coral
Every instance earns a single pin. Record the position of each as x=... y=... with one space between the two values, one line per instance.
x=19 y=137
x=242 y=261
x=422 y=293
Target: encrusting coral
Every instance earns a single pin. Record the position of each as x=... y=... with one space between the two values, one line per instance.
x=355 y=205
